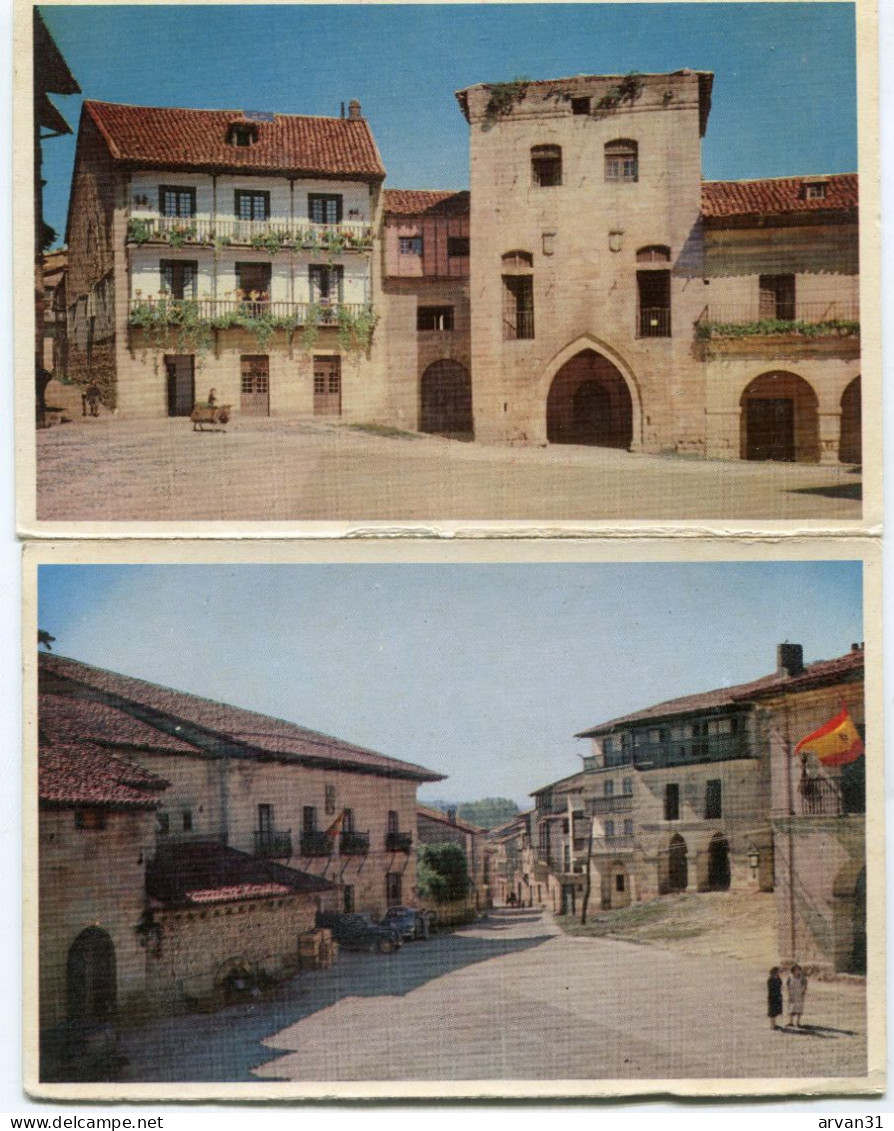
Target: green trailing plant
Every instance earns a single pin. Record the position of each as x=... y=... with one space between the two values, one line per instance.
x=505 y=95
x=355 y=331
x=177 y=237
x=766 y=327
x=177 y=322
x=221 y=241
x=272 y=242
x=139 y=231
x=627 y=90
x=311 y=330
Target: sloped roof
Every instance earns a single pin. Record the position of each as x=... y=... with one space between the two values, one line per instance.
x=63 y=718
x=79 y=773
x=821 y=671
x=175 y=138
x=426 y=202
x=206 y=871
x=257 y=735
x=444 y=819
x=778 y=196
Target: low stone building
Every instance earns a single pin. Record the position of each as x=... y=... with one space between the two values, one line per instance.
x=169 y=869
x=436 y=827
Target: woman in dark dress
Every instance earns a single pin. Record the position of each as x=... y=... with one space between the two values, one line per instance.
x=774 y=996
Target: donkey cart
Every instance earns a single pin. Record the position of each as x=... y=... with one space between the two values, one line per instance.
x=214 y=417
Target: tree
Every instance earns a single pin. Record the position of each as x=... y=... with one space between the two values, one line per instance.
x=489 y=812
x=443 y=874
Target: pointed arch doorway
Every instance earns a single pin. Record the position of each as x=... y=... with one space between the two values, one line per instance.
x=589 y=403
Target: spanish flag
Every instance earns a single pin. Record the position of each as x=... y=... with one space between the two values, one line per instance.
x=835 y=743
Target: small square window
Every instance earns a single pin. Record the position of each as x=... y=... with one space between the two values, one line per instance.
x=434 y=318
x=458 y=247
x=580 y=106
x=410 y=245
x=91 y=818
x=815 y=190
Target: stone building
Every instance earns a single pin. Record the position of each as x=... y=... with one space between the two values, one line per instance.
x=226 y=250
x=436 y=827
x=678 y=796
x=185 y=844
x=512 y=864
x=619 y=300
x=818 y=818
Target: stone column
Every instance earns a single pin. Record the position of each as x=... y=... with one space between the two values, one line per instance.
x=829 y=435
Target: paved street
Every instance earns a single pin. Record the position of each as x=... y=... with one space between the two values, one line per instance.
x=275 y=470
x=512 y=998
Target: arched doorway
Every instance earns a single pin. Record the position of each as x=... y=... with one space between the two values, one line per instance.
x=718 y=864
x=446 y=399
x=91 y=978
x=850 y=446
x=589 y=403
x=779 y=419
x=677 y=864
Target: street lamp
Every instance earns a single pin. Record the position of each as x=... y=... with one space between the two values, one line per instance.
x=754 y=857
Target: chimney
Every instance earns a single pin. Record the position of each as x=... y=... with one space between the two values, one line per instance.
x=857 y=647
x=342 y=109
x=354 y=110
x=451 y=814
x=789 y=659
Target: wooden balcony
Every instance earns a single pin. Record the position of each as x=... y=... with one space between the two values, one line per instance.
x=622 y=803
x=273 y=844
x=792 y=329
x=353 y=844
x=264 y=235
x=398 y=842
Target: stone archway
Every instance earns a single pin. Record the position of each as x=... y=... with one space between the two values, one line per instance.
x=445 y=399
x=589 y=403
x=91 y=977
x=718 y=878
x=673 y=866
x=780 y=419
x=850 y=446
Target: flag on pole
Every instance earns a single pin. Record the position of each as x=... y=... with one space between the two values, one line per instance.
x=836 y=743
x=335 y=827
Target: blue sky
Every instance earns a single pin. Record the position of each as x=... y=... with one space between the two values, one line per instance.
x=784 y=96
x=482 y=672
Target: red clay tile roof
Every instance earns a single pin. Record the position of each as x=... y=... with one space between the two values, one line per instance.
x=173 y=138
x=79 y=773
x=442 y=818
x=258 y=735
x=722 y=199
x=63 y=718
x=822 y=671
x=206 y=871
x=428 y=202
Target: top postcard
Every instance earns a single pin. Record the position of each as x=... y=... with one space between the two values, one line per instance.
x=597 y=265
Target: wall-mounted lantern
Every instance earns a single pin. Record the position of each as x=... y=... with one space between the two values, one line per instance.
x=754 y=858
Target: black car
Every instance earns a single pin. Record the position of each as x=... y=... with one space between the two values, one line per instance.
x=410 y=922
x=359 y=931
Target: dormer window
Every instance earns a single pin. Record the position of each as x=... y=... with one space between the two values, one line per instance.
x=242 y=134
x=546 y=165
x=815 y=190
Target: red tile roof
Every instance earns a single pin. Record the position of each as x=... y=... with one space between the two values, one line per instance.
x=428 y=202
x=79 y=773
x=173 y=138
x=724 y=199
x=259 y=736
x=63 y=718
x=444 y=819
x=823 y=671
x=206 y=871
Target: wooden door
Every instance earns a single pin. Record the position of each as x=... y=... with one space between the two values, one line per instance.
x=327 y=386
x=255 y=385
x=181 y=384
x=771 y=429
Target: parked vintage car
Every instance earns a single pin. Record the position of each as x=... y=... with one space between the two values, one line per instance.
x=359 y=931
x=410 y=922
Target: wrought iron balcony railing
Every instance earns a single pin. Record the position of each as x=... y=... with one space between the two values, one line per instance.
x=398 y=842
x=802 y=319
x=316 y=844
x=654 y=322
x=353 y=844
x=223 y=314
x=272 y=843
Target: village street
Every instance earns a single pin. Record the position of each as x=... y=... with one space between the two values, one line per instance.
x=511 y=997
x=280 y=470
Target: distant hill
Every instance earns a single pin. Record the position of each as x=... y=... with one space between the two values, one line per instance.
x=487 y=813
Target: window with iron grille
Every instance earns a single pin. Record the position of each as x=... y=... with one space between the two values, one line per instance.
x=174 y=200
x=252 y=205
x=409 y=245
x=434 y=318
x=546 y=166
x=255 y=373
x=622 y=160
x=458 y=247
x=324 y=208
x=518 y=307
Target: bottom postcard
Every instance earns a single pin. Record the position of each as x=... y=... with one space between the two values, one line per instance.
x=472 y=820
